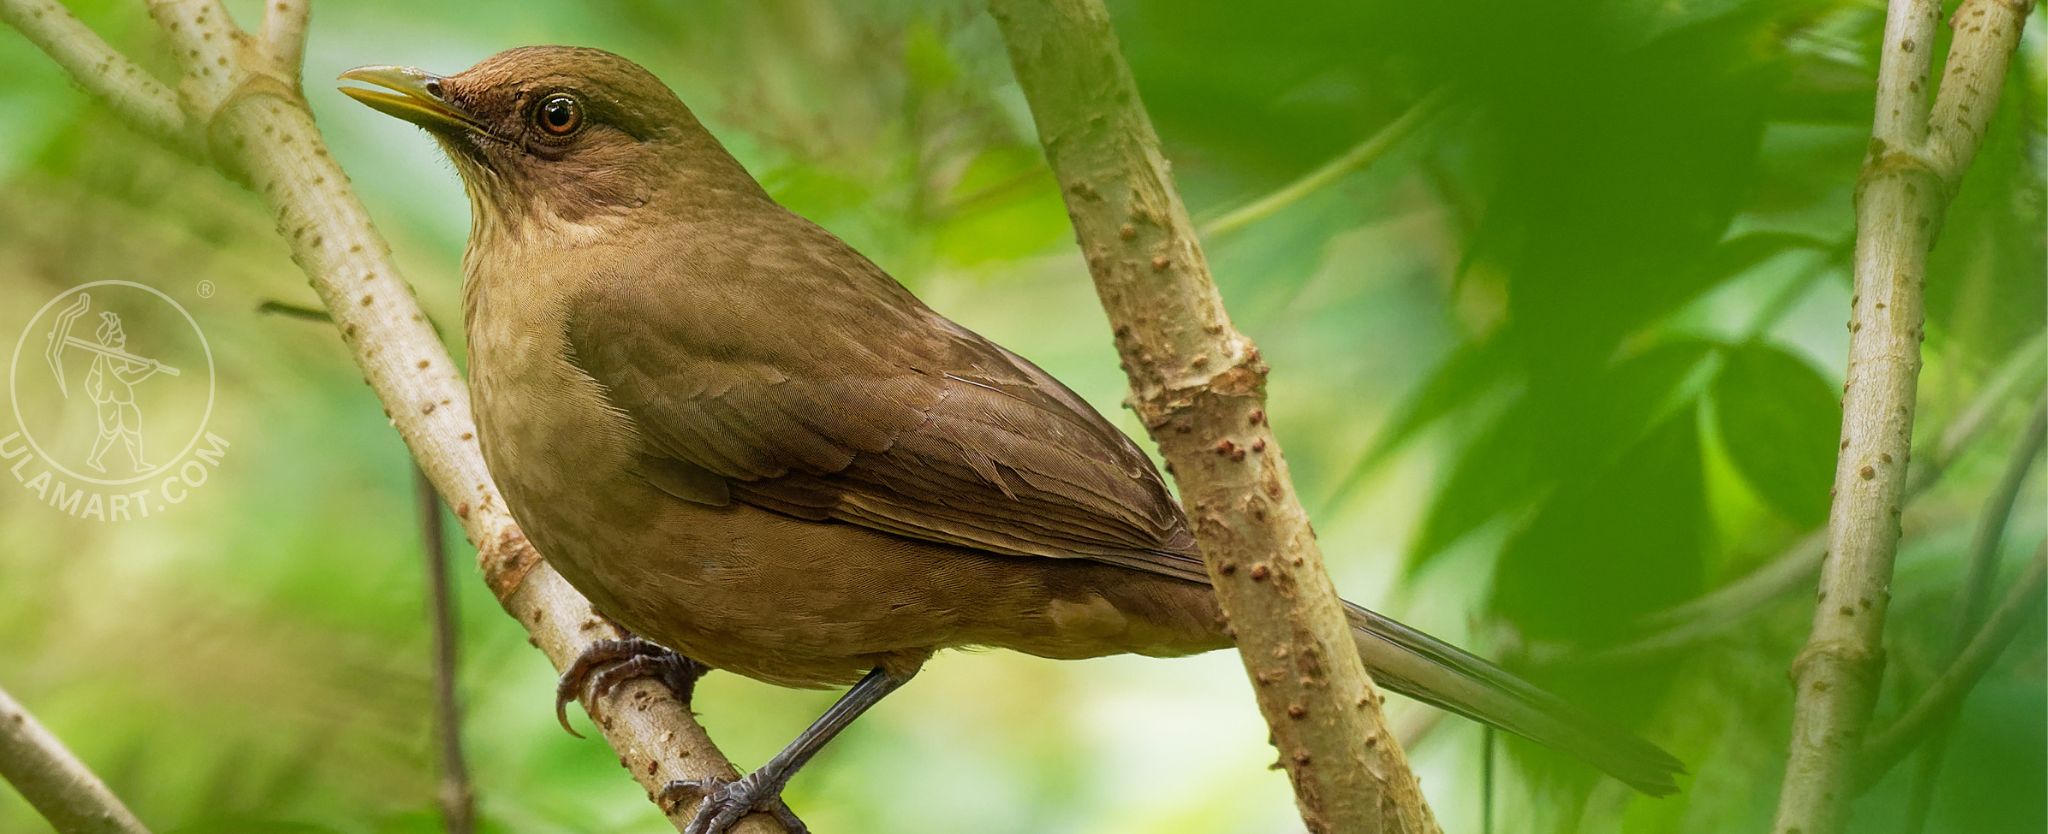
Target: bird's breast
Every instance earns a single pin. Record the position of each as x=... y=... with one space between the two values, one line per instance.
x=559 y=453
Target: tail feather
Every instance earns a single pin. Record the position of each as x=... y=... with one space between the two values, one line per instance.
x=1442 y=675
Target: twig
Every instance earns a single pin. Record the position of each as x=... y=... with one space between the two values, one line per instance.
x=1199 y=386
x=1908 y=178
x=1360 y=155
x=146 y=103
x=261 y=133
x=56 y=783
x=1880 y=755
x=296 y=311
x=457 y=797
x=1939 y=702
x=1991 y=529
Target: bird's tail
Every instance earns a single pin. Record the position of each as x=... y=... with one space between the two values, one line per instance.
x=1434 y=672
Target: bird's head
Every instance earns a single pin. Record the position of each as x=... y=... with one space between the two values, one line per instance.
x=555 y=133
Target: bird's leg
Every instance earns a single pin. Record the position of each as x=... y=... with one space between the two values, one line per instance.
x=608 y=664
x=726 y=801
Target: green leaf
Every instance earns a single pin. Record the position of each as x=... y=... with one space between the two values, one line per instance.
x=1778 y=419
x=1615 y=541
x=1551 y=434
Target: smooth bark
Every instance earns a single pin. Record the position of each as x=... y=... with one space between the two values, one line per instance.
x=55 y=782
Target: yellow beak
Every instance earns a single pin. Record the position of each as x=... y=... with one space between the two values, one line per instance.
x=414 y=95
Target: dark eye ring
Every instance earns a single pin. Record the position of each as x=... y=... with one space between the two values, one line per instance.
x=559 y=114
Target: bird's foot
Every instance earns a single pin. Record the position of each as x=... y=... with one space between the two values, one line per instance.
x=726 y=801
x=610 y=664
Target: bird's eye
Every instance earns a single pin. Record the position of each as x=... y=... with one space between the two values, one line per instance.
x=559 y=115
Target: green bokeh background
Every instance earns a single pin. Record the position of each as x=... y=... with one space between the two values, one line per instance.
x=1568 y=355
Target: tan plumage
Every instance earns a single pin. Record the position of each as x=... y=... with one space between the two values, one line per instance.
x=745 y=441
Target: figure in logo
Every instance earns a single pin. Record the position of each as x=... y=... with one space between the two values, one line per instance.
x=110 y=383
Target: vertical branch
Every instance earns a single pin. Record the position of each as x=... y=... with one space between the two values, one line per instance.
x=258 y=129
x=54 y=782
x=457 y=798
x=1199 y=386
x=283 y=37
x=1905 y=187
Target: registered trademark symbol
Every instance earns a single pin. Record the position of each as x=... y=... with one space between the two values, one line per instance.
x=205 y=289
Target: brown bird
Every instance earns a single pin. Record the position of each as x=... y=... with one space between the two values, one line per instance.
x=746 y=443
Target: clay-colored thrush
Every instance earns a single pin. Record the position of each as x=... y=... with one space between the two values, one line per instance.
x=748 y=444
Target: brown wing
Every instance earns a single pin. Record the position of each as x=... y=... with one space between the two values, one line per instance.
x=908 y=424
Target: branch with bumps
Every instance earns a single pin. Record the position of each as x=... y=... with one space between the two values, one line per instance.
x=1199 y=386
x=239 y=107
x=1917 y=159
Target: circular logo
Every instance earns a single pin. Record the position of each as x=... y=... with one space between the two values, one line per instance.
x=111 y=384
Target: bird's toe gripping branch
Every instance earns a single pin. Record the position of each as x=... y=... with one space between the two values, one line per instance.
x=726 y=801
x=610 y=664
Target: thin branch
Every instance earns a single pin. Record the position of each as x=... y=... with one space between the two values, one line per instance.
x=142 y=101
x=1199 y=386
x=211 y=49
x=263 y=134
x=1986 y=34
x=283 y=37
x=1943 y=697
x=1357 y=157
x=1900 y=119
x=1880 y=755
x=287 y=309
x=1904 y=190
x=456 y=796
x=56 y=783
x=1991 y=529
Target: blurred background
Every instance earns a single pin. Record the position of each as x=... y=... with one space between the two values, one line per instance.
x=1565 y=356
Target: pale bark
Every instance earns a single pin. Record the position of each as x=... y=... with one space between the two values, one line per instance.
x=1199 y=386
x=1911 y=172
x=245 y=93
x=283 y=36
x=55 y=782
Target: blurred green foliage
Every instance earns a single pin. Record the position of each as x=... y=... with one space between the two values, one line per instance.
x=1567 y=356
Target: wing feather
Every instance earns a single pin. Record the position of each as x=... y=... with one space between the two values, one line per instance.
x=918 y=428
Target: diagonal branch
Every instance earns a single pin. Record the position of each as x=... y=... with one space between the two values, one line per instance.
x=1941 y=699
x=54 y=782
x=141 y=100
x=1199 y=386
x=1905 y=187
x=1360 y=155
x=1929 y=730
x=1983 y=570
x=258 y=127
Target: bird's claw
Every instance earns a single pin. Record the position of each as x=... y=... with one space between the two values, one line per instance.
x=609 y=664
x=726 y=801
